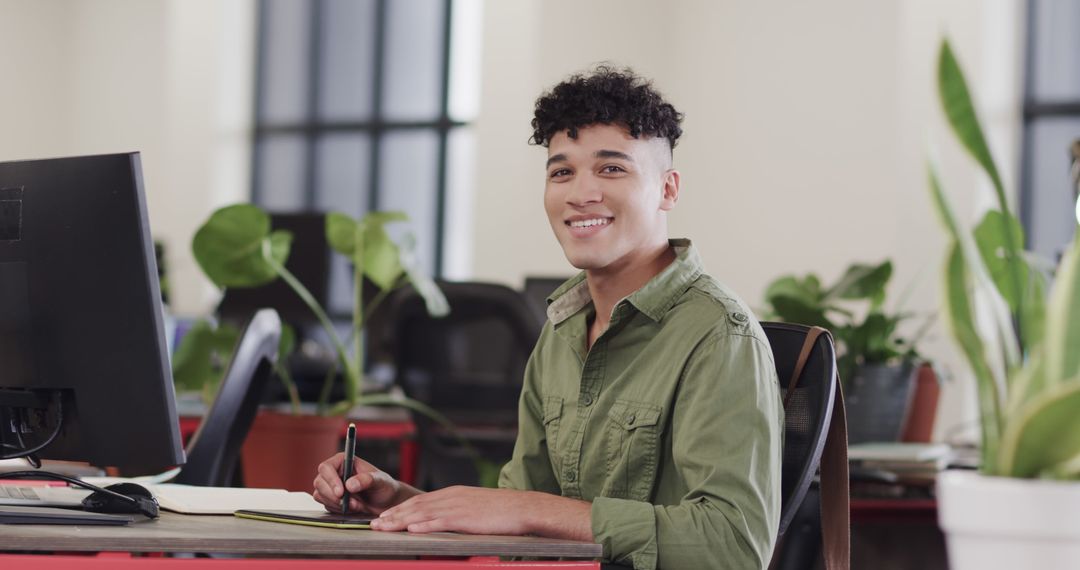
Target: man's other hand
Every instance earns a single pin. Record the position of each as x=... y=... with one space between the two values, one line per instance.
x=476 y=510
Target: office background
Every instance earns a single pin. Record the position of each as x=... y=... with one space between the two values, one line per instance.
x=807 y=124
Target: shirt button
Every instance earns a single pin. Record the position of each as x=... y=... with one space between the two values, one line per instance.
x=571 y=476
x=586 y=400
x=631 y=419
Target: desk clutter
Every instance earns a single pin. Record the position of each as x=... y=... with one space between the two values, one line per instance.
x=897 y=470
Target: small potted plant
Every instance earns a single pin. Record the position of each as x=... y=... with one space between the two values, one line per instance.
x=1019 y=509
x=881 y=370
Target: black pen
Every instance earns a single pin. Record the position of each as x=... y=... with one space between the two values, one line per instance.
x=347 y=466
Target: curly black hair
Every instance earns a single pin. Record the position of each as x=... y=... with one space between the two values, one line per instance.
x=605 y=96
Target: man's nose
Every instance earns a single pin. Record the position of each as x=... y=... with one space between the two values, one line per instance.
x=584 y=190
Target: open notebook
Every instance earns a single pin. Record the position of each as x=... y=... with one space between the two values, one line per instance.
x=186 y=499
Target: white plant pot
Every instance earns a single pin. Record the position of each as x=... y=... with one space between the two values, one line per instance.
x=1000 y=522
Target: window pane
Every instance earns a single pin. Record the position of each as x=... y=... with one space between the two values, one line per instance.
x=348 y=50
x=1056 y=45
x=1052 y=217
x=408 y=165
x=465 y=51
x=412 y=85
x=342 y=171
x=460 y=181
x=340 y=289
x=285 y=43
x=281 y=163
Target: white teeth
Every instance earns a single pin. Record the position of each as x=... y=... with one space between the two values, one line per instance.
x=588 y=223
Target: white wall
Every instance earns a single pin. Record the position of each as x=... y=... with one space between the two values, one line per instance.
x=168 y=78
x=807 y=127
x=807 y=123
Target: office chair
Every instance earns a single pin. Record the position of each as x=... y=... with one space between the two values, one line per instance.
x=810 y=415
x=213 y=451
x=536 y=291
x=467 y=365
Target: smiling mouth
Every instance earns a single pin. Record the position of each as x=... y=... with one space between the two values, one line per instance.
x=589 y=223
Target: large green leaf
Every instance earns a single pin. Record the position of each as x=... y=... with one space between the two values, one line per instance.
x=1033 y=311
x=381 y=260
x=796 y=310
x=863 y=282
x=997 y=310
x=232 y=244
x=1045 y=433
x=202 y=356
x=1063 y=319
x=958 y=306
x=807 y=290
x=992 y=243
x=956 y=102
x=434 y=300
x=341 y=233
x=878 y=330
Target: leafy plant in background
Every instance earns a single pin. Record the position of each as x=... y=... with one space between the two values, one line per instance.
x=866 y=339
x=236 y=248
x=1024 y=351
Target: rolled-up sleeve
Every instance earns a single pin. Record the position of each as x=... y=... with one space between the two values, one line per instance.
x=726 y=434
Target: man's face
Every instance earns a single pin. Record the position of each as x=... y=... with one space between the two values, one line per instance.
x=606 y=196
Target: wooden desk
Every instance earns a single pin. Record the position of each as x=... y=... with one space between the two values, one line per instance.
x=227 y=534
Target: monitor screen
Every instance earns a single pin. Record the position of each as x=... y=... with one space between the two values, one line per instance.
x=82 y=345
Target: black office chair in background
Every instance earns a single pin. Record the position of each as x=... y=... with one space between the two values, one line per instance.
x=214 y=450
x=809 y=412
x=467 y=365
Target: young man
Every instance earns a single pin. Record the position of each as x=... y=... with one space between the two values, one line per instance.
x=650 y=416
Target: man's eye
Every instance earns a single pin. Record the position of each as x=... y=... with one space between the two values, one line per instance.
x=611 y=169
x=559 y=173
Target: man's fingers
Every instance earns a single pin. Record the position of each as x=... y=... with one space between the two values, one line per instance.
x=331 y=475
x=325 y=492
x=436 y=525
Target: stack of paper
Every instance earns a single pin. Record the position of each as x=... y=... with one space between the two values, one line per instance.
x=192 y=500
x=897 y=469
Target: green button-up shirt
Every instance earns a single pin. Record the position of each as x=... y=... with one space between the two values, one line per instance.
x=671 y=424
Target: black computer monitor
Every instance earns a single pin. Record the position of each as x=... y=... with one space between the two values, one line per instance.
x=82 y=346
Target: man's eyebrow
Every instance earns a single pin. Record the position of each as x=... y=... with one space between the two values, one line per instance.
x=555 y=158
x=613 y=154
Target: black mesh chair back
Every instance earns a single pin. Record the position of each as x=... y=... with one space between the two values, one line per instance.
x=808 y=412
x=468 y=366
x=214 y=449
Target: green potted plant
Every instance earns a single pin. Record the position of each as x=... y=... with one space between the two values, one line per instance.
x=1024 y=353
x=236 y=248
x=879 y=367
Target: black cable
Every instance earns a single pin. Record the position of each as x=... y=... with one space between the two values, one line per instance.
x=55 y=433
x=77 y=483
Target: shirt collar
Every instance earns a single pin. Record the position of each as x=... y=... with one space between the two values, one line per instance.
x=653 y=299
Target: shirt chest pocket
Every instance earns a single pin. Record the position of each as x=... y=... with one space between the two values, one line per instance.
x=633 y=433
x=553 y=411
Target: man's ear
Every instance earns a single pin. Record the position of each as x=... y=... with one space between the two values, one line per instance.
x=670 y=189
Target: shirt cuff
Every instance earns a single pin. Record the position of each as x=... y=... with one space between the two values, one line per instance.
x=626 y=529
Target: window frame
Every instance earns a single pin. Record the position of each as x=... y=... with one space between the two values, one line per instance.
x=311 y=127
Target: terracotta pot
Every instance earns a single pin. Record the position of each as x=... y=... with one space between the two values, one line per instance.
x=282 y=451
x=920 y=422
x=994 y=523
